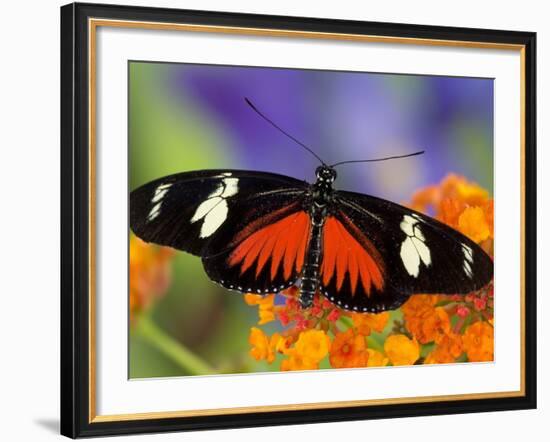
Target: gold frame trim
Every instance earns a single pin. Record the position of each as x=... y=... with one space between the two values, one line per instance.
x=93 y=24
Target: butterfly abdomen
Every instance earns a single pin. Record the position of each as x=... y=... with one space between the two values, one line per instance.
x=312 y=262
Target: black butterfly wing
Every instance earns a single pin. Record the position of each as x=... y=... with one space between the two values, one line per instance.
x=388 y=252
x=215 y=214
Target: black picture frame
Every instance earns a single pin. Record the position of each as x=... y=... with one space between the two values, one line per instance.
x=75 y=220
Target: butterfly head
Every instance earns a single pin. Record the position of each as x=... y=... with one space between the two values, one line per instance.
x=325 y=174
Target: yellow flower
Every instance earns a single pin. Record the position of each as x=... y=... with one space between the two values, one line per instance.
x=261 y=348
x=310 y=348
x=297 y=361
x=348 y=350
x=313 y=344
x=458 y=187
x=252 y=299
x=280 y=343
x=364 y=322
x=401 y=350
x=478 y=341
x=473 y=223
x=265 y=305
x=376 y=359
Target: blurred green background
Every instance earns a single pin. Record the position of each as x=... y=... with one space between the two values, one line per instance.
x=190 y=117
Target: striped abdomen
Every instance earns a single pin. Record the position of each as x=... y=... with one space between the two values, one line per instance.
x=312 y=262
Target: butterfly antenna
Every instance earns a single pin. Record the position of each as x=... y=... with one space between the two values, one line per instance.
x=255 y=109
x=420 y=152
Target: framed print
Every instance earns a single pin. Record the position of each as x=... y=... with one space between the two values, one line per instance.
x=278 y=220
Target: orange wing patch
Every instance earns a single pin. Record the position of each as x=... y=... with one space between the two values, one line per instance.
x=344 y=254
x=283 y=241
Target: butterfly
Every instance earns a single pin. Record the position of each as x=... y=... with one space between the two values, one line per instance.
x=260 y=232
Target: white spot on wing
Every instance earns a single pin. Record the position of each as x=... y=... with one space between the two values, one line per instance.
x=467 y=268
x=410 y=257
x=407 y=225
x=418 y=233
x=155 y=211
x=468 y=260
x=213 y=211
x=214 y=219
x=158 y=196
x=231 y=187
x=413 y=249
x=468 y=253
x=422 y=250
x=205 y=207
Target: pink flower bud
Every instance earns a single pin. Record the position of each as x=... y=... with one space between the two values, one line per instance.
x=334 y=315
x=480 y=303
x=283 y=317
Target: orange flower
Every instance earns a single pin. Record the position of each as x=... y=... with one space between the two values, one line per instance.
x=448 y=348
x=458 y=187
x=150 y=273
x=376 y=359
x=449 y=211
x=264 y=347
x=261 y=348
x=252 y=299
x=426 y=322
x=489 y=209
x=280 y=343
x=435 y=326
x=265 y=306
x=478 y=342
x=459 y=203
x=419 y=305
x=402 y=350
x=364 y=322
x=473 y=223
x=348 y=350
x=425 y=198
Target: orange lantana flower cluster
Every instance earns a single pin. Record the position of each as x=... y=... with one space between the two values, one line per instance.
x=427 y=329
x=461 y=327
x=461 y=204
x=310 y=337
x=150 y=274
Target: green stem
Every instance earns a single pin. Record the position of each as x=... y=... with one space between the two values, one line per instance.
x=346 y=321
x=171 y=348
x=375 y=344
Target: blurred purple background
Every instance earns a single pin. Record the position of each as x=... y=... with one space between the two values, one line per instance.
x=347 y=115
